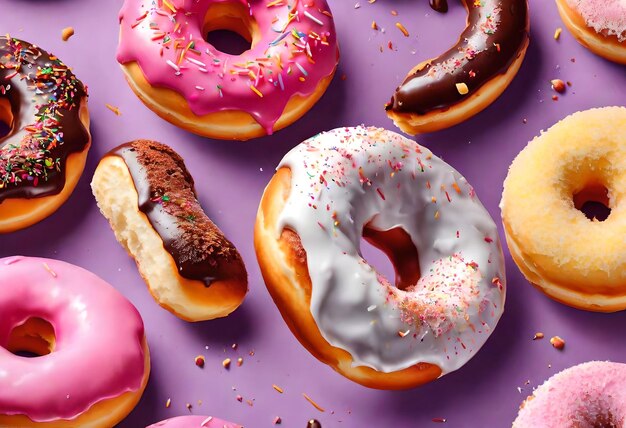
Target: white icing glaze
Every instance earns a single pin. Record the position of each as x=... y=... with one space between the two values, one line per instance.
x=347 y=178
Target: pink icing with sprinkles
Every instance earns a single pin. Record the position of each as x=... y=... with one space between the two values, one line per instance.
x=587 y=395
x=296 y=49
x=606 y=17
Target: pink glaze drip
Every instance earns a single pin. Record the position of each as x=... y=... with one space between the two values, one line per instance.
x=98 y=353
x=297 y=49
x=587 y=395
x=194 y=422
x=606 y=17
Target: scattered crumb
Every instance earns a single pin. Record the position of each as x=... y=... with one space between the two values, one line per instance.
x=188 y=406
x=234 y=346
x=313 y=403
x=239 y=398
x=168 y=403
x=278 y=388
x=440 y=420
x=538 y=335
x=66 y=33
x=226 y=363
x=114 y=109
x=374 y=25
x=558 y=85
x=394 y=12
x=557 y=33
x=277 y=420
x=555 y=98
x=199 y=360
x=557 y=343
x=239 y=362
x=402 y=28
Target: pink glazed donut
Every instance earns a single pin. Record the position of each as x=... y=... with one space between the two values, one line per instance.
x=599 y=25
x=91 y=360
x=187 y=81
x=194 y=422
x=587 y=395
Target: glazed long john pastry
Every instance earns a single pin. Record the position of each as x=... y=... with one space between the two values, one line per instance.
x=446 y=90
x=145 y=191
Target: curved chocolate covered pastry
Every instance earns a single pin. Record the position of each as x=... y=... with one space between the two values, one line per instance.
x=145 y=191
x=167 y=196
x=495 y=38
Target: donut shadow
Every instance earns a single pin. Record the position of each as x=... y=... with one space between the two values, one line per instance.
x=598 y=326
x=142 y=414
x=239 y=327
x=324 y=115
x=50 y=233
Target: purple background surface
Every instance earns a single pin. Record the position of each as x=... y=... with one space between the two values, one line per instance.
x=230 y=179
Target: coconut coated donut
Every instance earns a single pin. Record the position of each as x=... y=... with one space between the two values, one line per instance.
x=194 y=422
x=599 y=25
x=587 y=395
x=444 y=91
x=349 y=183
x=187 y=81
x=92 y=361
x=44 y=153
x=145 y=191
x=575 y=260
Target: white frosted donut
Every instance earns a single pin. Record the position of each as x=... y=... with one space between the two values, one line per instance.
x=349 y=183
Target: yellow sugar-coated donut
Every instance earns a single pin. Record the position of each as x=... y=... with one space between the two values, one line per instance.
x=575 y=260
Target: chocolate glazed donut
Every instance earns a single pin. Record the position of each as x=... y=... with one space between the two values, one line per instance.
x=444 y=91
x=44 y=153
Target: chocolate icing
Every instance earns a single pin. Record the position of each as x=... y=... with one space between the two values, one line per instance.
x=168 y=198
x=313 y=423
x=496 y=33
x=43 y=97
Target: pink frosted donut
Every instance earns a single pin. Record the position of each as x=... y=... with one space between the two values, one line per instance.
x=600 y=25
x=92 y=360
x=187 y=81
x=194 y=422
x=587 y=395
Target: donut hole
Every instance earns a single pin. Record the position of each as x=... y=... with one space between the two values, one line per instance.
x=401 y=262
x=593 y=201
x=33 y=338
x=6 y=118
x=229 y=28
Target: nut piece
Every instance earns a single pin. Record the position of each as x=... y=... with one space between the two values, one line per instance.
x=558 y=85
x=557 y=343
x=199 y=360
x=462 y=88
x=226 y=363
x=538 y=335
x=66 y=33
